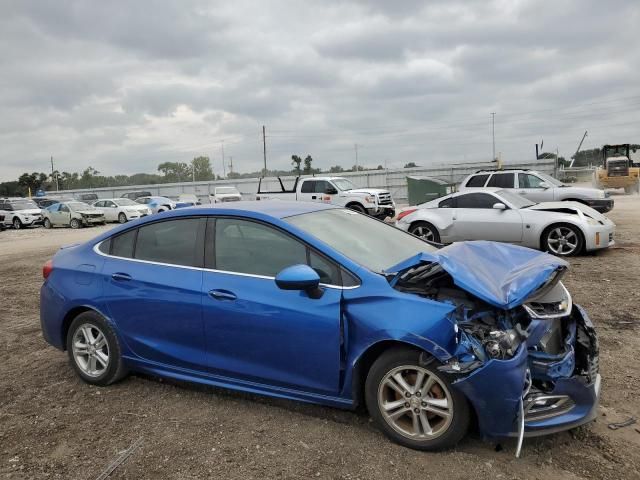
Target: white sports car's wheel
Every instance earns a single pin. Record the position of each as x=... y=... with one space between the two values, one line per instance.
x=563 y=240
x=425 y=231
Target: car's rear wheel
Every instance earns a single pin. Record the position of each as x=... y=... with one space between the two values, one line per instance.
x=75 y=223
x=414 y=404
x=563 y=240
x=122 y=218
x=94 y=350
x=47 y=223
x=425 y=231
x=17 y=224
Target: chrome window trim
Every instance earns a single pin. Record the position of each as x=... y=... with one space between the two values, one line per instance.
x=96 y=249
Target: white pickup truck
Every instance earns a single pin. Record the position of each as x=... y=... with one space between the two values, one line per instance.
x=336 y=190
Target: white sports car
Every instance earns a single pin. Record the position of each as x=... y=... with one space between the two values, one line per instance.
x=561 y=228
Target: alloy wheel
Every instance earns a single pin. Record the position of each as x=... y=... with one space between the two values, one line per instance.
x=562 y=241
x=90 y=350
x=423 y=232
x=122 y=218
x=415 y=402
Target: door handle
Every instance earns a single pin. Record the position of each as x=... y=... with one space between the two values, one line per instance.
x=121 y=277
x=222 y=295
x=313 y=197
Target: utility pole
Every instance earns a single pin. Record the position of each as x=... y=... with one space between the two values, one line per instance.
x=54 y=175
x=224 y=168
x=193 y=170
x=230 y=164
x=264 y=150
x=493 y=135
x=355 y=145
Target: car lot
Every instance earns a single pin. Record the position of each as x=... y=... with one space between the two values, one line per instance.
x=51 y=424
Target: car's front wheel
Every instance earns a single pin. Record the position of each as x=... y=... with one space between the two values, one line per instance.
x=47 y=223
x=75 y=223
x=563 y=240
x=94 y=350
x=413 y=403
x=122 y=218
x=425 y=231
x=17 y=224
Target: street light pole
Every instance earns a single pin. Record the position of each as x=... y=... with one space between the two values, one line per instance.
x=493 y=135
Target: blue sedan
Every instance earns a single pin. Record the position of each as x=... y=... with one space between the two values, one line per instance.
x=317 y=303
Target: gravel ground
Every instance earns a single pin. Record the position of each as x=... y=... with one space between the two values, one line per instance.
x=54 y=426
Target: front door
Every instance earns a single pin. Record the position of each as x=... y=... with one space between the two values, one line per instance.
x=61 y=216
x=530 y=187
x=152 y=289
x=258 y=332
x=476 y=219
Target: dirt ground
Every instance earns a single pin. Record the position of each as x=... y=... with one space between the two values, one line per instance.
x=52 y=425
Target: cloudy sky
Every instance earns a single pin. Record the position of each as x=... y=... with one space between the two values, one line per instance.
x=125 y=85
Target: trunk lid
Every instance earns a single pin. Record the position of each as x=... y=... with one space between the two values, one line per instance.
x=502 y=275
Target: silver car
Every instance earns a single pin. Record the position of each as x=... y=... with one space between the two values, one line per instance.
x=72 y=214
x=561 y=228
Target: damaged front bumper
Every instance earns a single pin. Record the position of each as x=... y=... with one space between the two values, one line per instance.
x=563 y=392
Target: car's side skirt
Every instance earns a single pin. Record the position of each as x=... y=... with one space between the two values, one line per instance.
x=161 y=370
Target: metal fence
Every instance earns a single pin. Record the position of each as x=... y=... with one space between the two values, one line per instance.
x=394 y=180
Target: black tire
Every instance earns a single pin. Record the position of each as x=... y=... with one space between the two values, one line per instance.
x=122 y=218
x=160 y=210
x=47 y=223
x=17 y=224
x=425 y=231
x=115 y=369
x=357 y=208
x=75 y=223
x=550 y=235
x=452 y=430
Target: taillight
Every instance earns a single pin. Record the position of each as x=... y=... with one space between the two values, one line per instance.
x=405 y=213
x=47 y=269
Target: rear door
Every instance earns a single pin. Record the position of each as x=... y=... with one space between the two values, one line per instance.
x=110 y=210
x=153 y=291
x=476 y=219
x=61 y=216
x=254 y=330
x=502 y=180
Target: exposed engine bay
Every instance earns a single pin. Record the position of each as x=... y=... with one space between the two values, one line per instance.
x=559 y=343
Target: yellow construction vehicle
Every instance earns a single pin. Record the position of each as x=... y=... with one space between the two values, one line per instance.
x=617 y=170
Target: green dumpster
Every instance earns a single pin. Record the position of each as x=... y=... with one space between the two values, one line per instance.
x=425 y=189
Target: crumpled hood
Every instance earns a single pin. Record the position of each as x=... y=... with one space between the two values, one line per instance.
x=502 y=275
x=587 y=210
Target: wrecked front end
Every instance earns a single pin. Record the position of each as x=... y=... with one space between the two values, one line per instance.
x=526 y=357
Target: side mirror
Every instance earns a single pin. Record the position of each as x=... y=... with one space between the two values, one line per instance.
x=330 y=191
x=499 y=206
x=545 y=185
x=300 y=277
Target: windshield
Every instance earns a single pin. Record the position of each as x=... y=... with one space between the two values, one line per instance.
x=518 y=201
x=75 y=206
x=550 y=179
x=125 y=202
x=343 y=184
x=23 y=204
x=227 y=190
x=371 y=243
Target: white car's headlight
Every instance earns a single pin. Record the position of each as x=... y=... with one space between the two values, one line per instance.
x=370 y=199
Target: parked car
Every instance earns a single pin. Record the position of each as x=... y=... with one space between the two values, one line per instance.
x=318 y=303
x=561 y=228
x=72 y=214
x=2 y=226
x=137 y=194
x=336 y=190
x=121 y=209
x=188 y=200
x=537 y=187
x=87 y=197
x=157 y=204
x=20 y=212
x=44 y=202
x=225 y=194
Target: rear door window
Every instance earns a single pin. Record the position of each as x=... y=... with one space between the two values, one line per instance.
x=308 y=186
x=477 y=180
x=448 y=203
x=502 y=180
x=174 y=242
x=122 y=245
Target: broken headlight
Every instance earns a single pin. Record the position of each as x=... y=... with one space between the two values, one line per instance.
x=502 y=344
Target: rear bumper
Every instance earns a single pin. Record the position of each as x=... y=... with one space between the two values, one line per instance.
x=602 y=205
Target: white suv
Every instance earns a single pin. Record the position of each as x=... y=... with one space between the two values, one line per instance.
x=20 y=212
x=537 y=187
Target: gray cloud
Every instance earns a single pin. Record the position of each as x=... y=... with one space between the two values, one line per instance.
x=125 y=85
